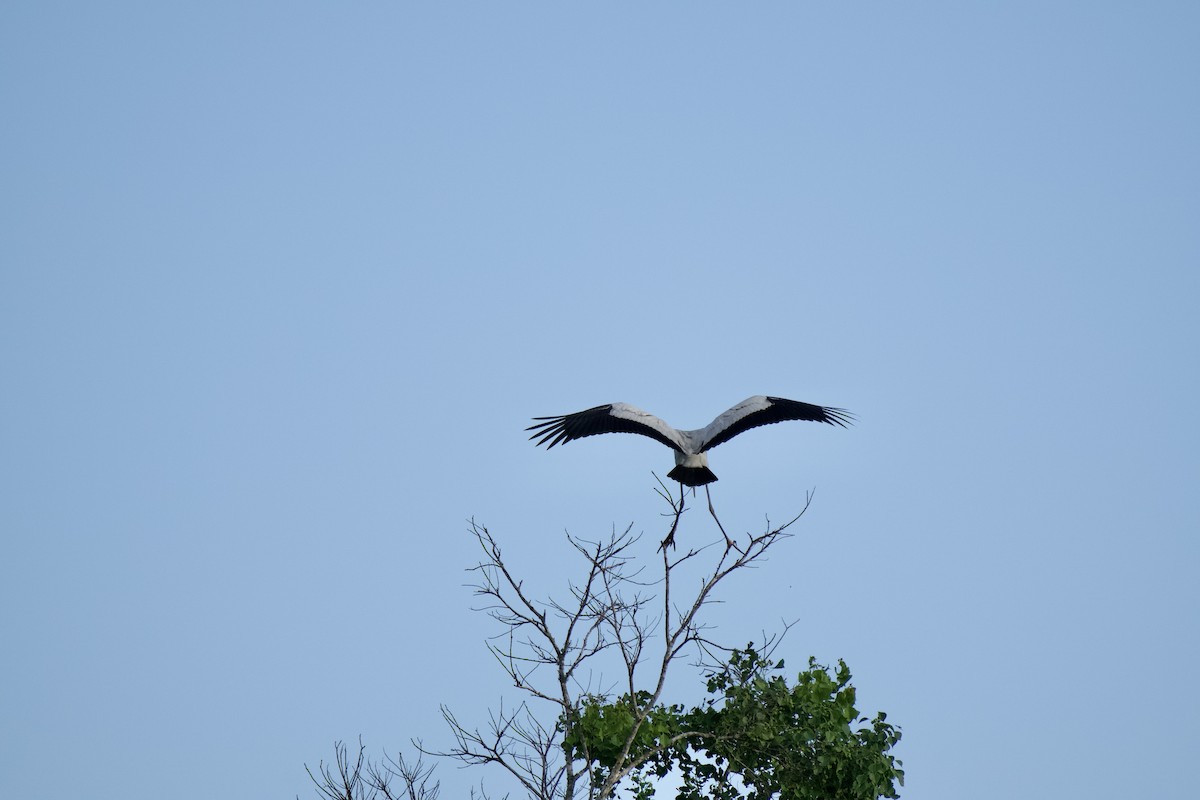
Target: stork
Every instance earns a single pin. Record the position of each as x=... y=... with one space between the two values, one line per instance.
x=690 y=447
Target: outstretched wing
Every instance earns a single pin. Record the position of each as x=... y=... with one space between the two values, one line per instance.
x=760 y=410
x=612 y=418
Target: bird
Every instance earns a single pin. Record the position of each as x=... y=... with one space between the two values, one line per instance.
x=690 y=447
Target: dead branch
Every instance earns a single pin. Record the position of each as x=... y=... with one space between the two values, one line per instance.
x=545 y=646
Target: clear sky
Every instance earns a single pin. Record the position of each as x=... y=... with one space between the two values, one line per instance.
x=282 y=283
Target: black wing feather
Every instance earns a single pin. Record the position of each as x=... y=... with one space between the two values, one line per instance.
x=550 y=431
x=783 y=410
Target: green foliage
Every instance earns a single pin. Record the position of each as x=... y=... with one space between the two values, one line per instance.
x=754 y=738
x=800 y=742
x=608 y=735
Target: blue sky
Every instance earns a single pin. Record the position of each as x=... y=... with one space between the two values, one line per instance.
x=282 y=283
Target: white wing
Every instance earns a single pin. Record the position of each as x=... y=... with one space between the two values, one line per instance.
x=763 y=410
x=612 y=418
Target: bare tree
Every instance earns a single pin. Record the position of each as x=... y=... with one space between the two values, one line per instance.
x=370 y=780
x=577 y=734
x=552 y=650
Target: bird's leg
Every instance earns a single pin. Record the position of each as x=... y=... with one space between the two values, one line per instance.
x=670 y=540
x=728 y=542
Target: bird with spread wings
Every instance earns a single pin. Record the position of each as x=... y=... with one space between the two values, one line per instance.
x=690 y=447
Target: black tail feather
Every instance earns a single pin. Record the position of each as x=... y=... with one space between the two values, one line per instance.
x=692 y=476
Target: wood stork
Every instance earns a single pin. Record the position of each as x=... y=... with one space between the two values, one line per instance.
x=690 y=447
